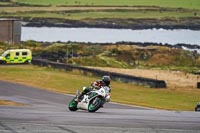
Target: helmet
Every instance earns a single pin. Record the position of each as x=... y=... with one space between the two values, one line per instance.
x=106 y=80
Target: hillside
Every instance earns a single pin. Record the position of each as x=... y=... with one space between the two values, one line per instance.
x=115 y=55
x=126 y=56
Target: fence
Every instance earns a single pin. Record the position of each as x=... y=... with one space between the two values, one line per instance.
x=114 y=76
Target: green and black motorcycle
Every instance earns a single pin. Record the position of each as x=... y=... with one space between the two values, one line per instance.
x=91 y=101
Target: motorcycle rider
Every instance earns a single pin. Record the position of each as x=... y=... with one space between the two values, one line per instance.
x=105 y=81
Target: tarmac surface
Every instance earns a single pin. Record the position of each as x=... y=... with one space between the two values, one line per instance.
x=47 y=112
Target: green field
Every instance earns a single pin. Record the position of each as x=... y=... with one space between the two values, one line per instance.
x=192 y=4
x=93 y=10
x=68 y=82
x=125 y=14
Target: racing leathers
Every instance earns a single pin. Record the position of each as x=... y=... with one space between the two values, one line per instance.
x=94 y=86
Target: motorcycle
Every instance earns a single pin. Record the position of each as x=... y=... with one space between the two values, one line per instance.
x=197 y=108
x=91 y=101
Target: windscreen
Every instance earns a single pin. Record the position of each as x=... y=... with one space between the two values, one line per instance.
x=4 y=54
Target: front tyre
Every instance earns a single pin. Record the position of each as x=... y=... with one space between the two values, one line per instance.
x=73 y=105
x=95 y=104
x=2 y=62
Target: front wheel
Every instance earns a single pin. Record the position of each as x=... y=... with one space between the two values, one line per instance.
x=73 y=105
x=95 y=104
x=2 y=62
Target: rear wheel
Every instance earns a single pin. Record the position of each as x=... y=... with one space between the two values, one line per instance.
x=73 y=105
x=95 y=104
x=26 y=62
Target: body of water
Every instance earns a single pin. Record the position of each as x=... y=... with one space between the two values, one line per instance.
x=101 y=35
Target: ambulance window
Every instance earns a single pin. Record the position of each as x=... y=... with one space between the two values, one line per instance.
x=4 y=54
x=8 y=55
x=17 y=54
x=24 y=53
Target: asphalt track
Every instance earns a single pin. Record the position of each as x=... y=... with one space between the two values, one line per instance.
x=47 y=112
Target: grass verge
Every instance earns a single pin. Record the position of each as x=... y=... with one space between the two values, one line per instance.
x=68 y=82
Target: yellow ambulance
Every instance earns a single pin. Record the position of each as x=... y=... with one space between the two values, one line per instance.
x=16 y=56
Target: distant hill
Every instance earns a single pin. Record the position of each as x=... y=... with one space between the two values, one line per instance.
x=118 y=55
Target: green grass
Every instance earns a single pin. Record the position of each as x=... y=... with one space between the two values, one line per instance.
x=78 y=13
x=192 y=4
x=68 y=82
x=127 y=14
x=99 y=61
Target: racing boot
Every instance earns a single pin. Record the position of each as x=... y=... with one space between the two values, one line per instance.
x=85 y=90
x=80 y=97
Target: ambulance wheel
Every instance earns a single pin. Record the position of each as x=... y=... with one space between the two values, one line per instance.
x=26 y=62
x=2 y=62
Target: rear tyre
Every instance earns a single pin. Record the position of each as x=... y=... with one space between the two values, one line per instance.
x=26 y=62
x=95 y=104
x=73 y=105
